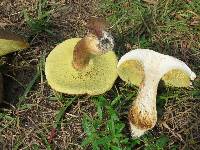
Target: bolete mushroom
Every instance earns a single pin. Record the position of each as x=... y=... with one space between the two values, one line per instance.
x=145 y=68
x=83 y=65
x=9 y=42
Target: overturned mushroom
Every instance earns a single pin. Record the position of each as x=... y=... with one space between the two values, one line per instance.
x=83 y=66
x=145 y=68
x=9 y=42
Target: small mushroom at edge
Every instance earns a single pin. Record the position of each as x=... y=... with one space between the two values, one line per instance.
x=145 y=68
x=9 y=42
x=83 y=66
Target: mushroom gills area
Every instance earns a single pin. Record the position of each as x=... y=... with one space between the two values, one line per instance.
x=176 y=78
x=8 y=46
x=131 y=71
x=96 y=78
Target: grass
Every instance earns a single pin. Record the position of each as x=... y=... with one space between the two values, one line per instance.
x=41 y=21
x=167 y=27
x=105 y=130
x=100 y=122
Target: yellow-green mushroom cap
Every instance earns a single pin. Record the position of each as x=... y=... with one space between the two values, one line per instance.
x=97 y=78
x=10 y=42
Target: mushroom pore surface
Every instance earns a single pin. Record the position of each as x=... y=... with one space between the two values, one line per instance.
x=96 y=78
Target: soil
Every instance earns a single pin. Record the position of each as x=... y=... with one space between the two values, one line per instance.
x=180 y=120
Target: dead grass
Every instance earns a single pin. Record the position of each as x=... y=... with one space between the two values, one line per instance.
x=31 y=123
x=180 y=121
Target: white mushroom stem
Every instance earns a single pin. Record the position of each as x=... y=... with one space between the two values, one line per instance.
x=143 y=114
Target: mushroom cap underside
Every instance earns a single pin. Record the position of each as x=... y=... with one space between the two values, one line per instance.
x=134 y=65
x=97 y=78
x=10 y=42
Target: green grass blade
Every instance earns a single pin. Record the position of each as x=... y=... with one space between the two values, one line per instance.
x=60 y=113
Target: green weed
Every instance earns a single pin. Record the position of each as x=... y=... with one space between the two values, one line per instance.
x=152 y=143
x=106 y=130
